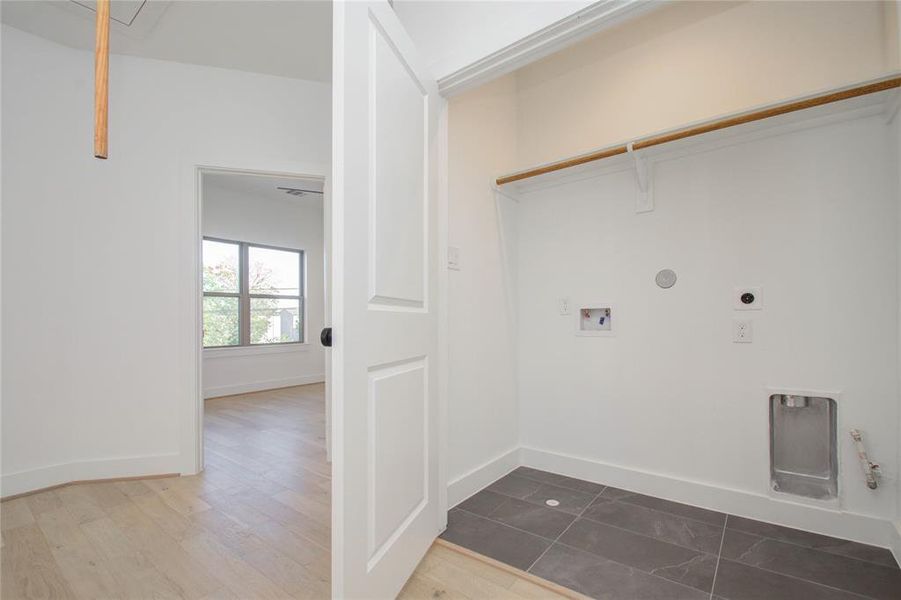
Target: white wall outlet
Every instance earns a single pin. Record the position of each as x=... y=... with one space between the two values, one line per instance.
x=741 y=331
x=453 y=258
x=564 y=306
x=748 y=298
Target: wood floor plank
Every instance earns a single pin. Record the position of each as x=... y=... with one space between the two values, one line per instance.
x=297 y=548
x=164 y=552
x=133 y=489
x=305 y=504
x=186 y=503
x=27 y=566
x=312 y=529
x=15 y=513
x=132 y=569
x=78 y=561
x=295 y=579
x=235 y=573
x=79 y=503
x=43 y=502
x=106 y=495
x=176 y=524
x=421 y=587
x=440 y=554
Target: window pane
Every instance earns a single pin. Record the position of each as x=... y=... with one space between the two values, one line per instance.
x=220 y=267
x=274 y=321
x=221 y=319
x=274 y=272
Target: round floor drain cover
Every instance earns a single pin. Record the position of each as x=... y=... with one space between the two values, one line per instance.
x=552 y=502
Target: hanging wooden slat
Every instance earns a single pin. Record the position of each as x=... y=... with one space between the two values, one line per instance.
x=101 y=79
x=714 y=125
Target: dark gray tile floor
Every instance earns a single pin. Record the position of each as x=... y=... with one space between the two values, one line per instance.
x=617 y=545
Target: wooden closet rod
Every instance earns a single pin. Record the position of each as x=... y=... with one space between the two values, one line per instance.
x=101 y=79
x=873 y=87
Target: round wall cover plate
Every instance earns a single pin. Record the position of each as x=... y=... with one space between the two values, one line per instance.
x=666 y=278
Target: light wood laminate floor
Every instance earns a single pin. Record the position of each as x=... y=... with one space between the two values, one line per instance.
x=254 y=524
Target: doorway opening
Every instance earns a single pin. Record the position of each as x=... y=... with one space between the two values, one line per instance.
x=265 y=422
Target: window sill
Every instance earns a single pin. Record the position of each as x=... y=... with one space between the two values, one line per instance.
x=254 y=350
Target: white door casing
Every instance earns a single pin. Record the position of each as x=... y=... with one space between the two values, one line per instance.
x=386 y=113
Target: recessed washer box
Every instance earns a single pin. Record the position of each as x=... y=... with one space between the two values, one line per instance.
x=596 y=319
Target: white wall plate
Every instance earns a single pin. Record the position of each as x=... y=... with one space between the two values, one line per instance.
x=747 y=298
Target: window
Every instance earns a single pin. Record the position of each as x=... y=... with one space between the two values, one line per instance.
x=252 y=294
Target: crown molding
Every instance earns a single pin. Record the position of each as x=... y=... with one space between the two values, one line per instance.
x=565 y=32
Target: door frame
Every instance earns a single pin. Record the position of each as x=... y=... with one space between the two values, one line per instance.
x=191 y=418
x=443 y=366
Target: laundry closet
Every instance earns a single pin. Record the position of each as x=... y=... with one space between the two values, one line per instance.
x=673 y=273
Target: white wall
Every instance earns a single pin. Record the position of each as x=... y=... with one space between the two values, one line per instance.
x=98 y=367
x=810 y=216
x=683 y=62
x=288 y=222
x=689 y=61
x=482 y=414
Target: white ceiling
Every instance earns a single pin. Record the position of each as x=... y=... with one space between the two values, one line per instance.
x=265 y=186
x=452 y=34
x=289 y=39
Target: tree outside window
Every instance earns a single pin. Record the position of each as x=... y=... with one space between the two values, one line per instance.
x=252 y=294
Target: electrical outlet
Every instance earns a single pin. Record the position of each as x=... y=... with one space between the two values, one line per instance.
x=741 y=331
x=564 y=306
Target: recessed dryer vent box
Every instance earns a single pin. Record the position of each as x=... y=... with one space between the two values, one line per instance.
x=595 y=320
x=803 y=457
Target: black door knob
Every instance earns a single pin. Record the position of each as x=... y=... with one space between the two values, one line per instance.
x=326 y=337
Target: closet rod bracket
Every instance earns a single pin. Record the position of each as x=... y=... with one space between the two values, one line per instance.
x=644 y=201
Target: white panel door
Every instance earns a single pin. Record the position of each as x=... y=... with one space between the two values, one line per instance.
x=384 y=362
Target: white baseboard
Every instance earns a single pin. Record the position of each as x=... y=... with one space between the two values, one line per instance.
x=475 y=480
x=260 y=386
x=12 y=484
x=896 y=540
x=836 y=523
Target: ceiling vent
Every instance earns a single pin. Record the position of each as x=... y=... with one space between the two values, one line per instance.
x=297 y=191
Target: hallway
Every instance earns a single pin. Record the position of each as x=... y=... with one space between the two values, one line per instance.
x=254 y=524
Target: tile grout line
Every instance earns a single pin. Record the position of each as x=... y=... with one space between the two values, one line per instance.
x=662 y=512
x=801 y=579
x=719 y=556
x=557 y=485
x=694 y=519
x=627 y=566
x=814 y=548
x=645 y=535
x=624 y=500
x=580 y=515
x=605 y=524
x=541 y=537
x=719 y=553
x=557 y=539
